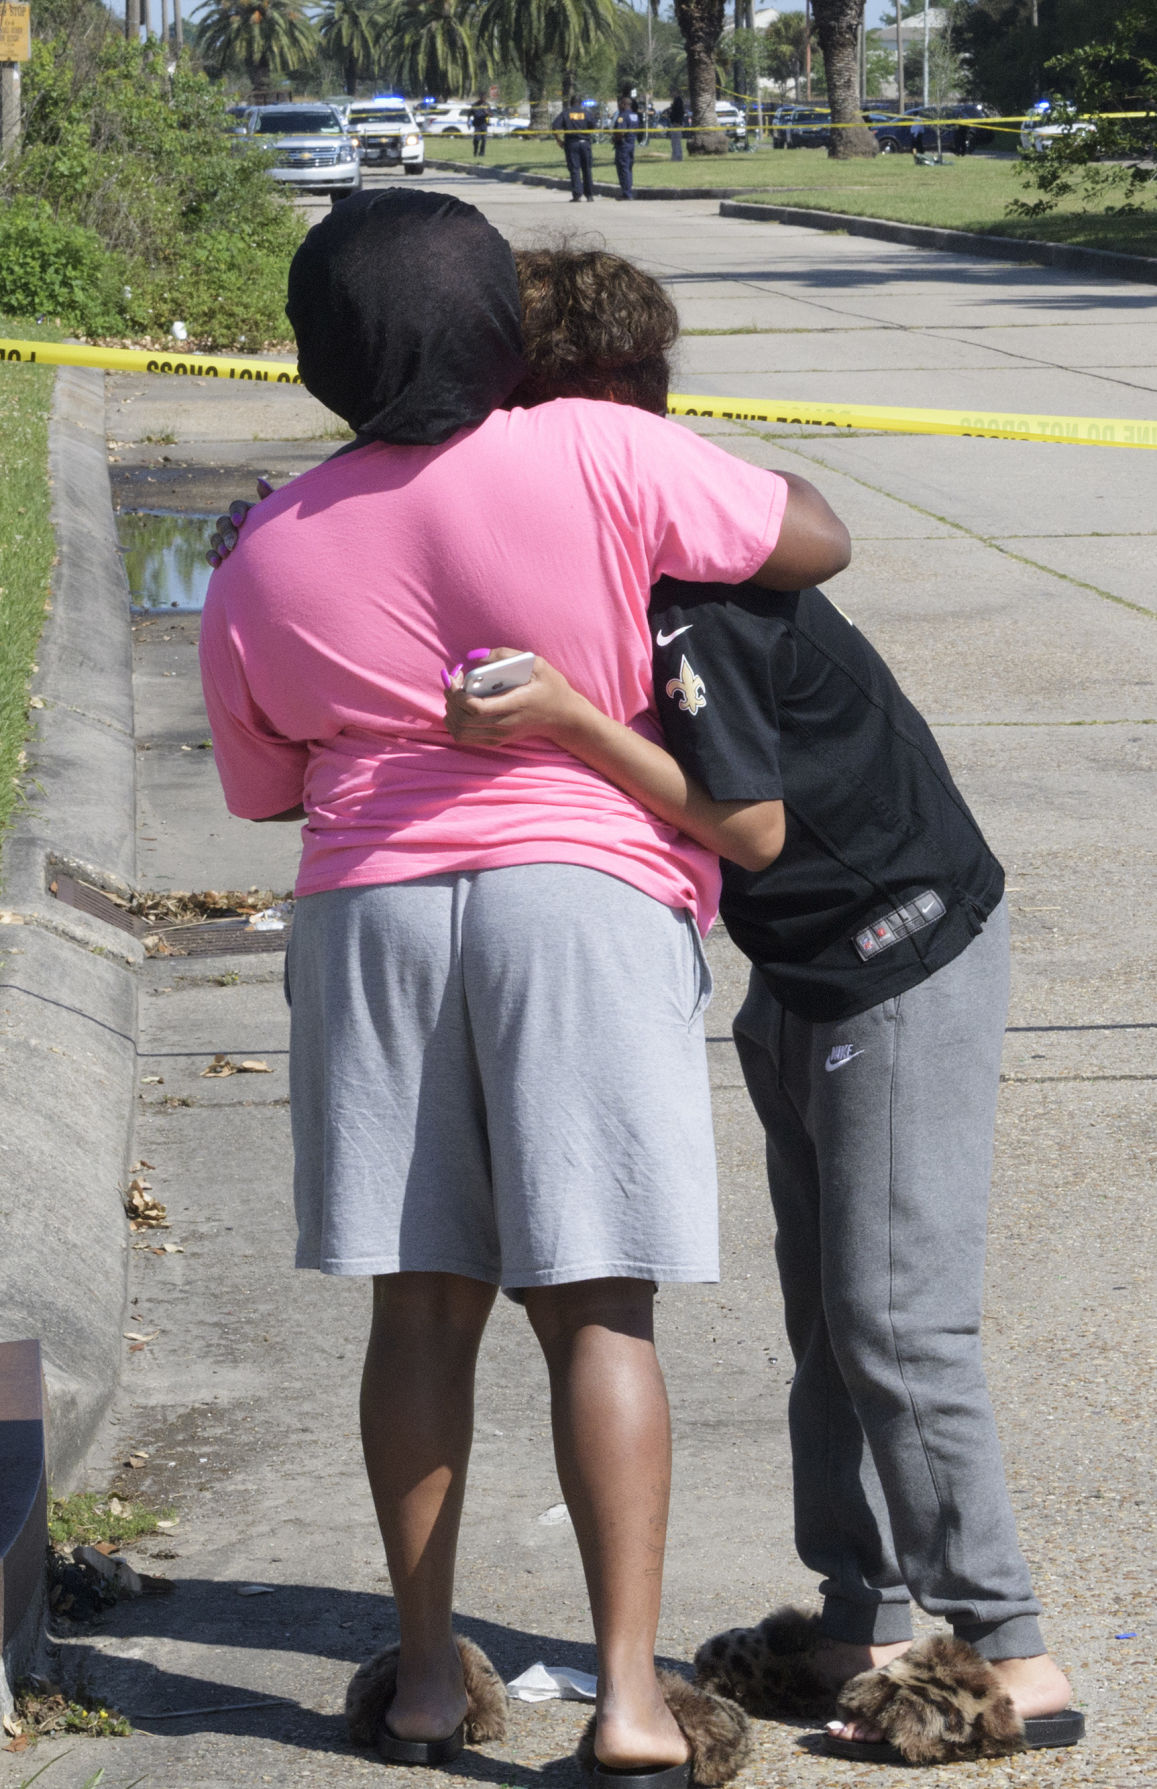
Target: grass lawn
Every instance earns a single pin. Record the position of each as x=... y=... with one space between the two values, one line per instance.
x=968 y=194
x=27 y=545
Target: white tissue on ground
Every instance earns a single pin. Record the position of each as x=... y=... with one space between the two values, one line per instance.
x=553 y=1683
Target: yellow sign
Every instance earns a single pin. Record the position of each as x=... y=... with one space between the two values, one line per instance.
x=1099 y=431
x=15 y=32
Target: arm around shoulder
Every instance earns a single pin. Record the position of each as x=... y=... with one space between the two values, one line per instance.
x=813 y=543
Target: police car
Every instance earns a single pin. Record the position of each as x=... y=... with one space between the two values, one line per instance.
x=312 y=149
x=387 y=132
x=1043 y=126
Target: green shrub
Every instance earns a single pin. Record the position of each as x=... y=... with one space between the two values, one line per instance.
x=176 y=220
x=58 y=269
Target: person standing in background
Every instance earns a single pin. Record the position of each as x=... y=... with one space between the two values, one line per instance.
x=676 y=118
x=479 y=124
x=627 y=123
x=572 y=133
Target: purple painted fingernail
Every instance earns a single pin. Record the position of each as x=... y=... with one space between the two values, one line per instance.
x=214 y=559
x=447 y=680
x=237 y=516
x=264 y=488
x=457 y=671
x=478 y=652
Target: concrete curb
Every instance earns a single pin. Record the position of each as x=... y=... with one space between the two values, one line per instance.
x=67 y=991
x=1102 y=262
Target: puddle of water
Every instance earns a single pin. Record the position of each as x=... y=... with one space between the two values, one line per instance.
x=164 y=557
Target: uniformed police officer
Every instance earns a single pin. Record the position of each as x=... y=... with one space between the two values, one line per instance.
x=626 y=123
x=572 y=132
x=479 y=124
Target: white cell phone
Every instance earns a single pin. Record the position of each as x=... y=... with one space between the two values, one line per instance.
x=502 y=674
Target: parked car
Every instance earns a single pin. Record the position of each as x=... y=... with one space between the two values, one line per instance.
x=809 y=128
x=892 y=131
x=961 y=127
x=387 y=132
x=312 y=147
x=448 y=119
x=733 y=121
x=504 y=121
x=1041 y=129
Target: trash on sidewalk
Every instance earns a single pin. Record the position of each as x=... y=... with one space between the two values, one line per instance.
x=272 y=919
x=221 y=1065
x=256 y=1589
x=552 y=1683
x=119 y=1574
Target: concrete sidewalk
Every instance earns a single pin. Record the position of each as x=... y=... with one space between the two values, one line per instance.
x=1011 y=588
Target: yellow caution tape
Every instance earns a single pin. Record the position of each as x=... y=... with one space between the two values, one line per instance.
x=1081 y=430
x=151 y=360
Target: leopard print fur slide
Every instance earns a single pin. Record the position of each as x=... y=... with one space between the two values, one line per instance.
x=770 y=1669
x=715 y=1730
x=941 y=1703
x=372 y=1688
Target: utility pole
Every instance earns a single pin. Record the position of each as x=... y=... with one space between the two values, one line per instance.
x=133 y=20
x=925 y=49
x=178 y=28
x=15 y=48
x=807 y=46
x=9 y=109
x=899 y=61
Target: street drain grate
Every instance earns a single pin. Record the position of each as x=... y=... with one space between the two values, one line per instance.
x=230 y=936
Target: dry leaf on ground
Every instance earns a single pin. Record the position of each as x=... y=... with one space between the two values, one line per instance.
x=144 y=1212
x=219 y=1066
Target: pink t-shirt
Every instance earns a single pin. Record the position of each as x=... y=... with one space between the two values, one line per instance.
x=541 y=529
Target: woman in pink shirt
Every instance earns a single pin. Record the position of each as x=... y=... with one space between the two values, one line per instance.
x=497 y=1064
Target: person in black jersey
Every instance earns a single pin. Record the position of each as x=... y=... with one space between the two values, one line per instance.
x=870 y=1042
x=572 y=132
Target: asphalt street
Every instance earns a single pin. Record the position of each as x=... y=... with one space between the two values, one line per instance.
x=1011 y=587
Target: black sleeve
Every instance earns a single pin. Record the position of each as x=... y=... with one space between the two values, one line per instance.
x=714 y=666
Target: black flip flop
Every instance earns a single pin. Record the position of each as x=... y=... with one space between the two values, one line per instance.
x=420 y=1751
x=670 y=1776
x=1040 y=1731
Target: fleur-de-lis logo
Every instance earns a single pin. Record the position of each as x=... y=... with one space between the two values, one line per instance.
x=688 y=686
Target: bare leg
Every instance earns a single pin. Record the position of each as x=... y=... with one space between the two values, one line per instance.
x=417 y=1410
x=612 y=1443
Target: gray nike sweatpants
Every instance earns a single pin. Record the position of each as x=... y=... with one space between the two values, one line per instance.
x=879 y=1151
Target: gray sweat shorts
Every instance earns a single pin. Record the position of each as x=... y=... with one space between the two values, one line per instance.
x=501 y=1074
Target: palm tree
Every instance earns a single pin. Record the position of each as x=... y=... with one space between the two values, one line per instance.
x=533 y=34
x=351 y=34
x=433 y=46
x=701 y=25
x=266 y=37
x=838 y=24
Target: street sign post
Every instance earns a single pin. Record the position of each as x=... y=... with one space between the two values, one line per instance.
x=15 y=31
x=15 y=48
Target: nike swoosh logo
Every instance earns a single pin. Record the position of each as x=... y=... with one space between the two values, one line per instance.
x=840 y=1061
x=662 y=639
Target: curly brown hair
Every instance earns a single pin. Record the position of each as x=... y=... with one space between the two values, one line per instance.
x=594 y=326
